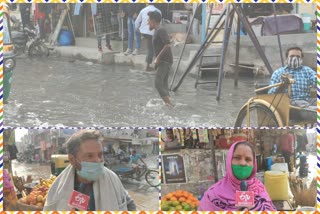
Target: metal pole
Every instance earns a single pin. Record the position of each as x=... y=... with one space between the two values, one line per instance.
x=184 y=45
x=203 y=28
x=201 y=49
x=122 y=34
x=201 y=58
x=252 y=36
x=209 y=19
x=237 y=52
x=278 y=35
x=226 y=36
x=213 y=152
x=200 y=52
x=85 y=21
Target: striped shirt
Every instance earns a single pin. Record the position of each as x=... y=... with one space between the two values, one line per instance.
x=304 y=78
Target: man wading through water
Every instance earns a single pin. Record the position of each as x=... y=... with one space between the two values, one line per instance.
x=164 y=59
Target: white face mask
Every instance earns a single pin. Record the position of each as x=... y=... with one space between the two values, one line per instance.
x=294 y=62
x=91 y=171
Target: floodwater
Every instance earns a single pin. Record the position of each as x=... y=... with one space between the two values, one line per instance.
x=60 y=92
x=145 y=197
x=35 y=170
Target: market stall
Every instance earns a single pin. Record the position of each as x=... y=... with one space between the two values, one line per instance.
x=194 y=169
x=25 y=194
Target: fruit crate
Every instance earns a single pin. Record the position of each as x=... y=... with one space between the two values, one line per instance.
x=26 y=207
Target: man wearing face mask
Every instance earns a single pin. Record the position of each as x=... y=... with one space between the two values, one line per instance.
x=86 y=174
x=304 y=78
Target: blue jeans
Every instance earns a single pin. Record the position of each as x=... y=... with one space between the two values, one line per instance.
x=133 y=33
x=107 y=40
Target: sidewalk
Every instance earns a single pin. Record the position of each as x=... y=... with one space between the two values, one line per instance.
x=86 y=50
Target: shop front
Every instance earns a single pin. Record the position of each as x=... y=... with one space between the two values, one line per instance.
x=282 y=163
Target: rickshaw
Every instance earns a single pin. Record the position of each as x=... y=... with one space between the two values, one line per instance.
x=8 y=54
x=275 y=110
x=58 y=163
x=151 y=175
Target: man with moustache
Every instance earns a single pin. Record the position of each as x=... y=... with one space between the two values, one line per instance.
x=87 y=174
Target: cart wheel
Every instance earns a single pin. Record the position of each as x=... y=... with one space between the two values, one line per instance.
x=38 y=50
x=152 y=178
x=260 y=115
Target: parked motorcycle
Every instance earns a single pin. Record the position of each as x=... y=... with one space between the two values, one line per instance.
x=29 y=40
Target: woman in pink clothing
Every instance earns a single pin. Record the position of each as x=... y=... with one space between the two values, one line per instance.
x=240 y=166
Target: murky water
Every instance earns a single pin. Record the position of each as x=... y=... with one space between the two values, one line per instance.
x=52 y=91
x=35 y=170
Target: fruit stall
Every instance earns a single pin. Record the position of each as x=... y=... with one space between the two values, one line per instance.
x=36 y=199
x=179 y=200
x=25 y=195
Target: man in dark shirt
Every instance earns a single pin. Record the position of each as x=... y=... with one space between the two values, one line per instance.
x=25 y=14
x=164 y=59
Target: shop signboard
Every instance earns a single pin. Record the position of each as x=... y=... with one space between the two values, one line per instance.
x=216 y=8
x=173 y=169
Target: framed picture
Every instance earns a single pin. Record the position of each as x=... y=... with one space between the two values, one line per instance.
x=173 y=169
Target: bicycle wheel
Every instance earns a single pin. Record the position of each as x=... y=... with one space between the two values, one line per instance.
x=260 y=115
x=152 y=178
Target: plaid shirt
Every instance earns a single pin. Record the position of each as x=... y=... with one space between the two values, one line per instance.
x=304 y=78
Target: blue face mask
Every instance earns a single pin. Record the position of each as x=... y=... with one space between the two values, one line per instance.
x=91 y=171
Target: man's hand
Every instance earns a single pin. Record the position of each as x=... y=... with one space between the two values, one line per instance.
x=135 y=15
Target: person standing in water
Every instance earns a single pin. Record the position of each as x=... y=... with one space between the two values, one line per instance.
x=164 y=58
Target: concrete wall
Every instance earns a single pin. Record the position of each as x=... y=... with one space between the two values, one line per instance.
x=199 y=171
x=269 y=44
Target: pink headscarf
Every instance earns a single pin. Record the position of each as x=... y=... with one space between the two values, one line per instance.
x=221 y=195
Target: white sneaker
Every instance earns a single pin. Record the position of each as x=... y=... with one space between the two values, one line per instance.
x=135 y=52
x=128 y=51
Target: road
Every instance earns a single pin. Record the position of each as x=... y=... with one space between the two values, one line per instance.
x=61 y=92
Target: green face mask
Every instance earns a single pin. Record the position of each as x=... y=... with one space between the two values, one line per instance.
x=241 y=172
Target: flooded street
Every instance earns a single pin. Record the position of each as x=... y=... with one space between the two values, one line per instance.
x=36 y=170
x=57 y=92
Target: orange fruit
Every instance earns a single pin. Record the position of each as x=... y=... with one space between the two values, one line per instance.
x=164 y=198
x=194 y=199
x=179 y=193
x=182 y=199
x=175 y=194
x=188 y=201
x=173 y=198
x=169 y=195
